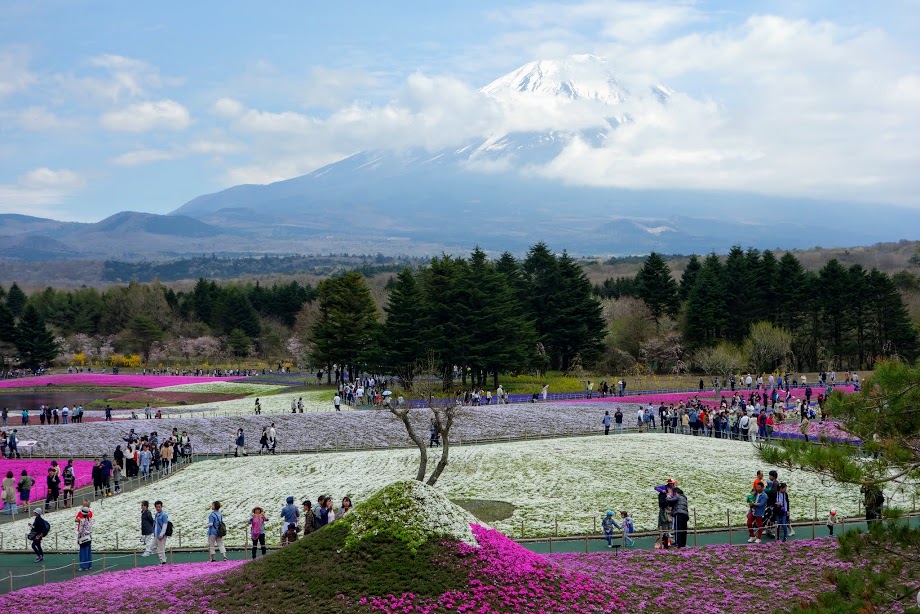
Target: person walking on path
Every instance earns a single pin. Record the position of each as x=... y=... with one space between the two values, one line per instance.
x=618 y=419
x=627 y=528
x=84 y=522
x=9 y=494
x=263 y=440
x=606 y=422
x=257 y=530
x=40 y=530
x=146 y=528
x=758 y=505
x=607 y=524
x=144 y=458
x=240 y=442
x=216 y=532
x=160 y=530
x=25 y=487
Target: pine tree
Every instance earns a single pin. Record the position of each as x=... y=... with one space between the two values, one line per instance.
x=404 y=334
x=706 y=319
x=16 y=300
x=347 y=324
x=688 y=277
x=233 y=310
x=579 y=327
x=657 y=288
x=889 y=327
x=35 y=343
x=144 y=332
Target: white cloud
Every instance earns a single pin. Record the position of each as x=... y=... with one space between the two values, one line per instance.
x=15 y=76
x=142 y=156
x=46 y=178
x=40 y=119
x=39 y=188
x=228 y=108
x=144 y=116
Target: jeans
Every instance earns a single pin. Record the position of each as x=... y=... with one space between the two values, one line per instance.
x=145 y=469
x=782 y=524
x=620 y=428
x=161 y=549
x=148 y=544
x=86 y=555
x=680 y=530
x=609 y=536
x=37 y=547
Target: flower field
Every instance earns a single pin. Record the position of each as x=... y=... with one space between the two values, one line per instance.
x=222 y=387
x=101 y=379
x=144 y=589
x=573 y=480
x=313 y=401
x=38 y=469
x=714 y=579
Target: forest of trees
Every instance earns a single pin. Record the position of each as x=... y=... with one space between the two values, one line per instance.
x=744 y=311
x=834 y=318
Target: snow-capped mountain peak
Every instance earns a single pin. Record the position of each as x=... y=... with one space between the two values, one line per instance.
x=576 y=77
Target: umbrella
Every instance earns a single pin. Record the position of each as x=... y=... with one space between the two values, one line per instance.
x=387 y=393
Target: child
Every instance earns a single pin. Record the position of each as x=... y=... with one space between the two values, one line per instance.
x=627 y=527
x=116 y=475
x=608 y=523
x=831 y=521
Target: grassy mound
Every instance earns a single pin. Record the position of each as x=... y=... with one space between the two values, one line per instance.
x=487 y=510
x=407 y=548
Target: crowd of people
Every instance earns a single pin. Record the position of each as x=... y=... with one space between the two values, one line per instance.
x=738 y=417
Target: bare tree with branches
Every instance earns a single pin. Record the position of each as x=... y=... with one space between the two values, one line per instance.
x=443 y=412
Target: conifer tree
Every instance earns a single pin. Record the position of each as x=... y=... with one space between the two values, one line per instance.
x=35 y=343
x=657 y=288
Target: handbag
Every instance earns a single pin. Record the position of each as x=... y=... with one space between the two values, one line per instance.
x=32 y=535
x=84 y=539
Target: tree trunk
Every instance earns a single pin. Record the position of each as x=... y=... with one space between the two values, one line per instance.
x=403 y=414
x=443 y=425
x=439 y=468
x=495 y=378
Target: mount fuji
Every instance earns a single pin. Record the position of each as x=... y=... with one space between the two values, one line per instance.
x=485 y=191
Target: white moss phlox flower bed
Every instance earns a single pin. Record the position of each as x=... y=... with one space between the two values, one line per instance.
x=222 y=388
x=573 y=480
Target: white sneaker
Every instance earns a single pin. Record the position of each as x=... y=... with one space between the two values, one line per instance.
x=756 y=541
x=750 y=540
x=791 y=533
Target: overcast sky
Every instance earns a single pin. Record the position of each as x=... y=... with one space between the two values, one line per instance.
x=111 y=106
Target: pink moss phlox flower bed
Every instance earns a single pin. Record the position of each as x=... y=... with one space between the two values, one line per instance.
x=164 y=589
x=505 y=577
x=38 y=469
x=714 y=579
x=99 y=379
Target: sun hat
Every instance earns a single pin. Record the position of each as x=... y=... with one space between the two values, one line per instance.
x=833 y=512
x=672 y=481
x=38 y=511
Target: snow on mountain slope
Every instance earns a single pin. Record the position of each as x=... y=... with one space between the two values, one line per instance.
x=577 y=77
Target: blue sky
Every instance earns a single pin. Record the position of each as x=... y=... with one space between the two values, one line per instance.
x=142 y=106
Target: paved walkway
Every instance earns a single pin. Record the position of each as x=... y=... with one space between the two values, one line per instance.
x=737 y=536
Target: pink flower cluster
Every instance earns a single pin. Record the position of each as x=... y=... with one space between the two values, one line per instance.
x=713 y=579
x=505 y=577
x=164 y=589
x=99 y=379
x=38 y=470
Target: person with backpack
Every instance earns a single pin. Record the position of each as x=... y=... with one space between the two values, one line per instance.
x=606 y=422
x=627 y=527
x=162 y=529
x=257 y=530
x=39 y=530
x=217 y=530
x=146 y=528
x=263 y=440
x=70 y=481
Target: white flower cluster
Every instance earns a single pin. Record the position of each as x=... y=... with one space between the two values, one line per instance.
x=573 y=480
x=222 y=388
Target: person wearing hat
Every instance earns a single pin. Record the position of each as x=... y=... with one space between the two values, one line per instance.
x=40 y=530
x=607 y=524
x=831 y=520
x=289 y=516
x=84 y=522
x=257 y=530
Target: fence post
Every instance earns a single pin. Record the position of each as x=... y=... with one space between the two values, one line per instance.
x=728 y=521
x=171 y=555
x=556 y=532
x=522 y=528
x=816 y=509
x=116 y=540
x=103 y=562
x=43 y=575
x=180 y=538
x=586 y=544
x=135 y=557
x=694 y=527
x=550 y=551
x=11 y=581
x=73 y=568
